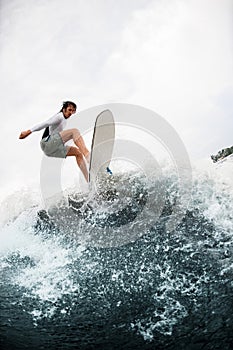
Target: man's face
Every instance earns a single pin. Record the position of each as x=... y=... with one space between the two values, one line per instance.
x=69 y=111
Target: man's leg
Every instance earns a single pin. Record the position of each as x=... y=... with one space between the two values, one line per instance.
x=74 y=134
x=74 y=151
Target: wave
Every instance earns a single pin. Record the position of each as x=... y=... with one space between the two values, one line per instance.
x=112 y=265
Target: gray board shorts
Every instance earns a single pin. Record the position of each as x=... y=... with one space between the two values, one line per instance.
x=53 y=146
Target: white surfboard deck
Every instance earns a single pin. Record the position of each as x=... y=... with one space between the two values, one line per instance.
x=102 y=145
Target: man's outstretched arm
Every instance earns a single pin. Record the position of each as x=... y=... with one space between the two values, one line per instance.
x=51 y=121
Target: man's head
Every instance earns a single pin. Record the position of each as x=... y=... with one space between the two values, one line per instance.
x=68 y=108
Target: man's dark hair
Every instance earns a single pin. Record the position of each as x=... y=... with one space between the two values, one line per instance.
x=67 y=104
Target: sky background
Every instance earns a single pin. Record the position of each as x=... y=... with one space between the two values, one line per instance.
x=174 y=57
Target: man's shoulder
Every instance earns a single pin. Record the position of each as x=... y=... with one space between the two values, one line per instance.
x=58 y=116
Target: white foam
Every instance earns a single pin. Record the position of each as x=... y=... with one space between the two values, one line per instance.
x=47 y=276
x=15 y=203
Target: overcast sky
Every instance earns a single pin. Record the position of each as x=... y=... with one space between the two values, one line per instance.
x=172 y=56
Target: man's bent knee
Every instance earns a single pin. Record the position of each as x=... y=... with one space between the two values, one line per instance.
x=74 y=151
x=75 y=131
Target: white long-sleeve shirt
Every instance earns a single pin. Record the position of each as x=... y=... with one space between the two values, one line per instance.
x=56 y=124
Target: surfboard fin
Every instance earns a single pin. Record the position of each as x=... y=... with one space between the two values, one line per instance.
x=109 y=171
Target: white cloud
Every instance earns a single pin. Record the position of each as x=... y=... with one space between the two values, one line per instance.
x=179 y=57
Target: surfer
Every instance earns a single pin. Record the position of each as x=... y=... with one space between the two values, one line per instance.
x=54 y=138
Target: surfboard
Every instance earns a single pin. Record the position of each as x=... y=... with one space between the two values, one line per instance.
x=102 y=145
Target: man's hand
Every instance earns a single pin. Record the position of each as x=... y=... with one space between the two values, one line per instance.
x=24 y=134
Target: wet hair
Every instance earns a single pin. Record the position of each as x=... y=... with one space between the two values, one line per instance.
x=67 y=104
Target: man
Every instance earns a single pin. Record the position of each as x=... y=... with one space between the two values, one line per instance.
x=54 y=138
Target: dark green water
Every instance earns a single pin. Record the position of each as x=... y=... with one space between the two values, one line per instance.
x=164 y=290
